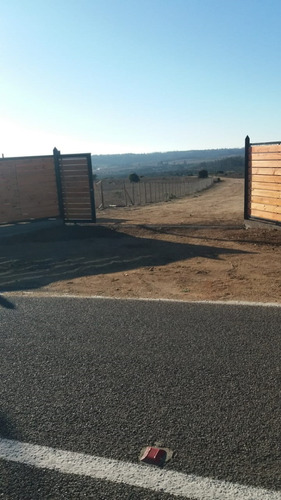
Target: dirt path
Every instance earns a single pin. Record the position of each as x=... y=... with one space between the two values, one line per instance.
x=222 y=204
x=191 y=249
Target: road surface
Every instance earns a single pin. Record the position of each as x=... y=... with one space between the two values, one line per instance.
x=107 y=377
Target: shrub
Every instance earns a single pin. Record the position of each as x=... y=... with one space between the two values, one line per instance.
x=203 y=174
x=134 y=178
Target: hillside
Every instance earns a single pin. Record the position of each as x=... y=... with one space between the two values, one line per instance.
x=169 y=163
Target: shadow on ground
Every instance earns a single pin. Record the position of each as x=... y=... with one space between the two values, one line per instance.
x=235 y=233
x=9 y=305
x=67 y=252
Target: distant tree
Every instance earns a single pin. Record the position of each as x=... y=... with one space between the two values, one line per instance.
x=95 y=176
x=203 y=174
x=134 y=178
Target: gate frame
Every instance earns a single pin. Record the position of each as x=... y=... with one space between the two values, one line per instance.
x=57 y=157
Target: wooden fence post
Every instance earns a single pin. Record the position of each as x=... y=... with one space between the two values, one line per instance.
x=145 y=196
x=125 y=194
x=101 y=194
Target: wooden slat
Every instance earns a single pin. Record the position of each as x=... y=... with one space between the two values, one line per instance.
x=266 y=163
x=266 y=178
x=80 y=204
x=9 y=208
x=268 y=215
x=7 y=175
x=265 y=208
x=35 y=168
x=266 y=193
x=78 y=216
x=266 y=171
x=36 y=172
x=67 y=185
x=85 y=214
x=42 y=172
x=26 y=161
x=77 y=199
x=78 y=166
x=33 y=202
x=77 y=206
x=75 y=177
x=75 y=168
x=39 y=212
x=73 y=160
x=9 y=193
x=266 y=200
x=76 y=192
x=77 y=196
x=265 y=148
x=6 y=211
x=266 y=156
x=72 y=173
x=37 y=215
x=267 y=186
x=36 y=182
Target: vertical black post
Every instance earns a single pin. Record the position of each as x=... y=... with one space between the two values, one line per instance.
x=91 y=185
x=56 y=154
x=246 y=182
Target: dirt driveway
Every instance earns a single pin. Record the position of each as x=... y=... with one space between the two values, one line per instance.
x=190 y=249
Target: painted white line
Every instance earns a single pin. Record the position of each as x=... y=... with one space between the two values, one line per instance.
x=166 y=481
x=38 y=294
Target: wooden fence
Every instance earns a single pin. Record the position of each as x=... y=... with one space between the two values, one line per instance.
x=42 y=187
x=263 y=181
x=28 y=189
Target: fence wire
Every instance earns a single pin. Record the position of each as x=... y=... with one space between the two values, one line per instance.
x=118 y=193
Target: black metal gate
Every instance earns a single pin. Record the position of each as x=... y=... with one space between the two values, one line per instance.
x=75 y=187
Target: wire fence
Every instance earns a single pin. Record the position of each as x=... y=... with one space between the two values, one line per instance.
x=119 y=193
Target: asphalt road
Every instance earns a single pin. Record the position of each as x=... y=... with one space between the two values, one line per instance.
x=107 y=377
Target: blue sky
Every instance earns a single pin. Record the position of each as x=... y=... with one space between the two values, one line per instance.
x=117 y=76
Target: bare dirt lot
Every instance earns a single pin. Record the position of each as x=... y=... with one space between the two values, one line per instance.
x=190 y=249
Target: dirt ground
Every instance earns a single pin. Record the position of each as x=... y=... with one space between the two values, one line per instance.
x=190 y=249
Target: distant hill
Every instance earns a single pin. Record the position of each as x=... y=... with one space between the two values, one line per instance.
x=170 y=163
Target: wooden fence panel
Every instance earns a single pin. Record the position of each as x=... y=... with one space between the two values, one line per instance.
x=263 y=181
x=28 y=189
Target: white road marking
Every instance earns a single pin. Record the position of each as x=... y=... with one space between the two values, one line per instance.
x=39 y=294
x=148 y=477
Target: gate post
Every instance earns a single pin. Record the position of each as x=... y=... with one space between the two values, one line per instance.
x=246 y=182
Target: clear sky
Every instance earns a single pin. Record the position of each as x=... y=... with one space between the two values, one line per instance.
x=120 y=76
